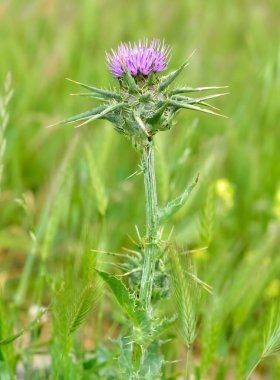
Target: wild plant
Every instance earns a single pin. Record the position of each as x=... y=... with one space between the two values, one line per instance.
x=142 y=105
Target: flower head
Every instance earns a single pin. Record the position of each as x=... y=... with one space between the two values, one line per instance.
x=144 y=103
x=142 y=58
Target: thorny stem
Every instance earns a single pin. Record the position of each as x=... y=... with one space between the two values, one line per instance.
x=148 y=167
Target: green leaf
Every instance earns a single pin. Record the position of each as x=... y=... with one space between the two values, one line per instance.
x=152 y=362
x=166 y=81
x=182 y=90
x=156 y=116
x=30 y=327
x=136 y=356
x=122 y=295
x=11 y=338
x=161 y=327
x=141 y=124
x=102 y=113
x=128 y=78
x=192 y=107
x=176 y=203
x=92 y=95
x=105 y=93
x=81 y=116
x=198 y=100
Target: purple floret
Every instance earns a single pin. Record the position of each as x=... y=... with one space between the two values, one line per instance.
x=142 y=59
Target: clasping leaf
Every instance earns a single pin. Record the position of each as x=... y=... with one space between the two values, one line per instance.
x=176 y=203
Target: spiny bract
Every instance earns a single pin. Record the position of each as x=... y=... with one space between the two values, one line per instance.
x=143 y=103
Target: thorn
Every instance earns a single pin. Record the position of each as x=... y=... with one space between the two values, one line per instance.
x=86 y=122
x=138 y=234
x=130 y=272
x=53 y=125
x=72 y=80
x=137 y=172
x=192 y=53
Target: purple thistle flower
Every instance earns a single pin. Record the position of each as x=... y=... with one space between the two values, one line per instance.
x=143 y=58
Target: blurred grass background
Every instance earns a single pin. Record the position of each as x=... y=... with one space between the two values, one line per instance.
x=72 y=200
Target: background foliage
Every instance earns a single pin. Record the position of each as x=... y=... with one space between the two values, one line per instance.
x=65 y=191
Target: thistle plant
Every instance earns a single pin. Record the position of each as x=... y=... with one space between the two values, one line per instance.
x=141 y=104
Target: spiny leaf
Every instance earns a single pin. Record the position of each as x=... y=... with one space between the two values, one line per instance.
x=209 y=105
x=182 y=90
x=192 y=107
x=92 y=95
x=81 y=116
x=176 y=203
x=197 y=100
x=102 y=113
x=136 y=356
x=141 y=124
x=127 y=257
x=104 y=93
x=166 y=81
x=151 y=363
x=128 y=78
x=123 y=297
x=162 y=326
x=156 y=116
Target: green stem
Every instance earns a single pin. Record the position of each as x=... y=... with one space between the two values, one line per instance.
x=23 y=283
x=188 y=363
x=253 y=368
x=151 y=226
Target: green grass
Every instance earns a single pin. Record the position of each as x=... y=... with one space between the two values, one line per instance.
x=65 y=192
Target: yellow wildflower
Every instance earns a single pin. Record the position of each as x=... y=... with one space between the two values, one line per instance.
x=273 y=288
x=225 y=191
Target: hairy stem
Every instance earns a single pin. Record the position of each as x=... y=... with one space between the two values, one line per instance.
x=151 y=226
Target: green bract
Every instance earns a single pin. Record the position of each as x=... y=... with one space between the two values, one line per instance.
x=144 y=105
